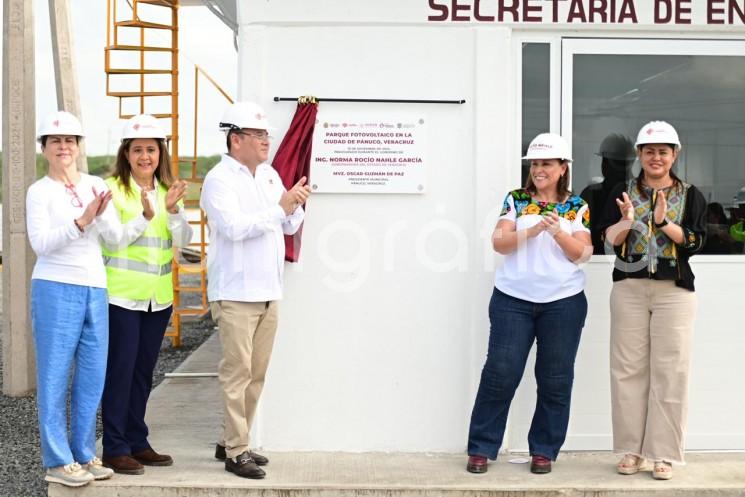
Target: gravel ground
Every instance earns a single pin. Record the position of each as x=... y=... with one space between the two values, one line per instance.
x=21 y=474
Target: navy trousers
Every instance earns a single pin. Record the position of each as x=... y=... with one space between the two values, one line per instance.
x=515 y=325
x=135 y=338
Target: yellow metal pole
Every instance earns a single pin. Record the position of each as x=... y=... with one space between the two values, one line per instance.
x=176 y=339
x=108 y=23
x=142 y=67
x=116 y=31
x=196 y=115
x=219 y=88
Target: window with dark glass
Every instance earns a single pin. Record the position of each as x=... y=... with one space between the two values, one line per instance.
x=536 y=93
x=703 y=97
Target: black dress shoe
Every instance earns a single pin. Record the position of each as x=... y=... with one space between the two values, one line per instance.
x=244 y=467
x=258 y=458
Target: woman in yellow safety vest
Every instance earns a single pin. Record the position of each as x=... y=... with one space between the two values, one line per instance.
x=147 y=199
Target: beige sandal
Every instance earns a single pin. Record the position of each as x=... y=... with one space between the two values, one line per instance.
x=663 y=470
x=629 y=465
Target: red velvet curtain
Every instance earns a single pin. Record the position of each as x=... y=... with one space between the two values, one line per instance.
x=292 y=160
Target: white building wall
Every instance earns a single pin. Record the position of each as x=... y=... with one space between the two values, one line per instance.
x=384 y=326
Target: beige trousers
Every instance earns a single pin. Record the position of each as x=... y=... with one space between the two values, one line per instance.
x=247 y=331
x=650 y=352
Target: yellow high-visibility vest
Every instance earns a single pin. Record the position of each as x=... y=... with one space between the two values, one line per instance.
x=142 y=270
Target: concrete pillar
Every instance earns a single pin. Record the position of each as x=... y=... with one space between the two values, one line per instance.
x=65 y=75
x=19 y=171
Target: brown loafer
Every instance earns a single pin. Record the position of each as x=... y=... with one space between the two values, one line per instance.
x=476 y=464
x=221 y=455
x=149 y=457
x=540 y=465
x=124 y=465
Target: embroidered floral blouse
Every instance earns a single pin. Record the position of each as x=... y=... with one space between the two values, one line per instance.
x=539 y=270
x=648 y=252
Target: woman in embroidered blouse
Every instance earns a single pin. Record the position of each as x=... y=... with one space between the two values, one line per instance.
x=658 y=223
x=538 y=296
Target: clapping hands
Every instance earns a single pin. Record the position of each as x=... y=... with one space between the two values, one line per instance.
x=95 y=207
x=295 y=196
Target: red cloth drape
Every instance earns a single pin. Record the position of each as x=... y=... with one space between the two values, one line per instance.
x=292 y=161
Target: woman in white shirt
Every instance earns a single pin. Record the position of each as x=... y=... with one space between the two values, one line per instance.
x=538 y=295
x=147 y=198
x=67 y=215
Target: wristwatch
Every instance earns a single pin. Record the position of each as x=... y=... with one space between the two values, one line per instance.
x=662 y=224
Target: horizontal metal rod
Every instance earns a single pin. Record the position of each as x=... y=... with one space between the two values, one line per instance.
x=191 y=375
x=373 y=100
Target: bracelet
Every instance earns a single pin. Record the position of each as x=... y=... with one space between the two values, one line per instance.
x=78 y=226
x=662 y=224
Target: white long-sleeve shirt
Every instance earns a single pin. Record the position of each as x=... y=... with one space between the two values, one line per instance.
x=64 y=254
x=245 y=262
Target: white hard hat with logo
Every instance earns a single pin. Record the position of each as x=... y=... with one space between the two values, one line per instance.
x=242 y=115
x=143 y=126
x=59 y=123
x=657 y=132
x=548 y=146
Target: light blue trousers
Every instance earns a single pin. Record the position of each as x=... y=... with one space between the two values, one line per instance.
x=71 y=329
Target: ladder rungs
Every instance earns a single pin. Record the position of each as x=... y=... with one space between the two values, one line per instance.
x=140 y=71
x=143 y=24
x=138 y=48
x=159 y=116
x=188 y=288
x=191 y=312
x=188 y=270
x=127 y=94
x=164 y=3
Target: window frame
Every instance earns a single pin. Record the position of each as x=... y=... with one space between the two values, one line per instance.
x=587 y=45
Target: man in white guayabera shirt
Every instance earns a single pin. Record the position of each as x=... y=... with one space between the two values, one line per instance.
x=249 y=212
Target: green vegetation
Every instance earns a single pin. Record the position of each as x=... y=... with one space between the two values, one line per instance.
x=101 y=165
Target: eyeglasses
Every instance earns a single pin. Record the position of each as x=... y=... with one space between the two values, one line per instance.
x=74 y=199
x=261 y=136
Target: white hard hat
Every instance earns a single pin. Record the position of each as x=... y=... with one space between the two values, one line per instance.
x=657 y=132
x=60 y=123
x=143 y=126
x=244 y=115
x=548 y=146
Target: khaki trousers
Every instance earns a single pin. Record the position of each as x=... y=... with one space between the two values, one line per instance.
x=650 y=352
x=247 y=331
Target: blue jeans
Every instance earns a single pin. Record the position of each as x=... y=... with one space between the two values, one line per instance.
x=556 y=327
x=70 y=326
x=135 y=338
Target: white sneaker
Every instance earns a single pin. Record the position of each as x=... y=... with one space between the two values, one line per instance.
x=95 y=467
x=71 y=475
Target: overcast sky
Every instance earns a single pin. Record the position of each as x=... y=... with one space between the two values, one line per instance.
x=204 y=40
